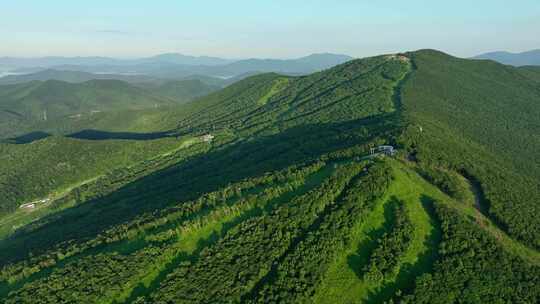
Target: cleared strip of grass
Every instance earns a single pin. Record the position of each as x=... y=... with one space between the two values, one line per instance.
x=278 y=85
x=161 y=235
x=190 y=242
x=422 y=251
x=186 y=248
x=319 y=224
x=341 y=283
x=344 y=281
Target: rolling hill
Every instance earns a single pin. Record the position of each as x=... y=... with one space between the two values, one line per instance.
x=286 y=204
x=181 y=90
x=71 y=76
x=59 y=98
x=51 y=105
x=515 y=59
x=137 y=80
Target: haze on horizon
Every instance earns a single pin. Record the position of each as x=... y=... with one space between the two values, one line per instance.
x=265 y=29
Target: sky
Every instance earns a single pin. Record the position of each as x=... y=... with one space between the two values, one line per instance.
x=265 y=28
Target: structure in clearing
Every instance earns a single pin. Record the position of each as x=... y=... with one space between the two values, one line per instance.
x=33 y=204
x=207 y=137
x=385 y=149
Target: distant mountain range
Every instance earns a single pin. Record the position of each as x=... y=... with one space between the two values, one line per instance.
x=515 y=59
x=175 y=66
x=171 y=58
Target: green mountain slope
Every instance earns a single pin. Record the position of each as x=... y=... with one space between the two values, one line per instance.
x=59 y=99
x=482 y=119
x=71 y=76
x=56 y=106
x=532 y=72
x=43 y=102
x=270 y=103
x=183 y=90
x=286 y=204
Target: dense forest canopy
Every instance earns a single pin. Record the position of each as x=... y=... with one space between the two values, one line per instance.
x=483 y=119
x=284 y=203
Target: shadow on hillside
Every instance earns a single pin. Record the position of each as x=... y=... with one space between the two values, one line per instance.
x=104 y=135
x=359 y=260
x=190 y=179
x=408 y=273
x=28 y=138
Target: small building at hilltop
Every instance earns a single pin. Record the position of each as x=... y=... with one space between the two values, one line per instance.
x=208 y=137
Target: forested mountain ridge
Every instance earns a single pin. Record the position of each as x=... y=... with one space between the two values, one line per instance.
x=482 y=119
x=285 y=205
x=60 y=98
x=70 y=76
x=271 y=103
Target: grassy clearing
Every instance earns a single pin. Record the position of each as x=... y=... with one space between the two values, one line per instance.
x=187 y=246
x=344 y=281
x=190 y=242
x=278 y=85
x=214 y=219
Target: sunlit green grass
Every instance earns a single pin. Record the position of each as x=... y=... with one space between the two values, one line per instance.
x=278 y=85
x=190 y=241
x=344 y=281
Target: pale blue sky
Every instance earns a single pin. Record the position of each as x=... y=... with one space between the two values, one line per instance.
x=257 y=28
